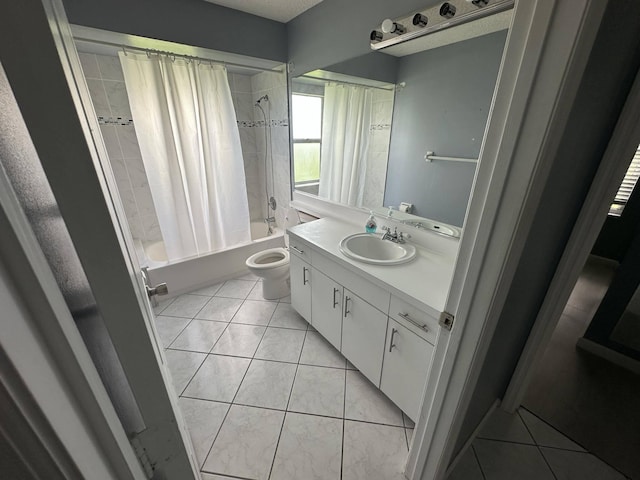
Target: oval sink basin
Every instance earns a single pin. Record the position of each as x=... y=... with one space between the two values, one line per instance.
x=370 y=248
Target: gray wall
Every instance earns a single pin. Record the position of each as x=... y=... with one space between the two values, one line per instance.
x=191 y=22
x=337 y=30
x=443 y=108
x=373 y=65
x=599 y=100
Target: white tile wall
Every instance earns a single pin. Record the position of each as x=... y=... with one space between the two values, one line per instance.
x=382 y=112
x=274 y=85
x=109 y=96
x=243 y=101
x=106 y=85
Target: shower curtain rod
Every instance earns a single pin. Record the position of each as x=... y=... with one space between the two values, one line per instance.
x=391 y=88
x=172 y=54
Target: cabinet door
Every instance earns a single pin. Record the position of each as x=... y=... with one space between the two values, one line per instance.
x=407 y=359
x=300 y=286
x=326 y=307
x=363 y=334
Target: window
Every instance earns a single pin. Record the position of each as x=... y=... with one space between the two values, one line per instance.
x=626 y=189
x=307 y=134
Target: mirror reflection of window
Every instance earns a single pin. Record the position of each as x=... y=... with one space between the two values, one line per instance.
x=307 y=138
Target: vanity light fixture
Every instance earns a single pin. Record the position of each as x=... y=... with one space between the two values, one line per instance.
x=420 y=20
x=447 y=10
x=389 y=26
x=435 y=19
x=375 y=36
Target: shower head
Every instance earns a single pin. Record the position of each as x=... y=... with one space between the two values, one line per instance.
x=264 y=98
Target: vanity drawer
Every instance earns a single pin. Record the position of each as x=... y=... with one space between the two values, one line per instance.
x=370 y=293
x=414 y=319
x=300 y=249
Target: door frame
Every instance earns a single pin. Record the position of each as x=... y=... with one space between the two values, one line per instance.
x=547 y=49
x=623 y=143
x=64 y=129
x=532 y=97
x=74 y=421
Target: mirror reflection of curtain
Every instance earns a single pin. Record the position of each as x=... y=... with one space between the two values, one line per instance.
x=346 y=125
x=186 y=127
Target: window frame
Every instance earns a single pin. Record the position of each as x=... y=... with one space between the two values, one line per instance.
x=295 y=140
x=632 y=176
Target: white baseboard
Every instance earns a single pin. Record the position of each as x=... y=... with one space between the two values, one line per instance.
x=608 y=354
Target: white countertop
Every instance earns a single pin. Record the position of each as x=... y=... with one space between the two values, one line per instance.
x=424 y=281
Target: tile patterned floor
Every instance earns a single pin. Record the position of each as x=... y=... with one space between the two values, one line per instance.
x=523 y=447
x=266 y=397
x=582 y=395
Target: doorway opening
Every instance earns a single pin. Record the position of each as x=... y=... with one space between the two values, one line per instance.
x=586 y=382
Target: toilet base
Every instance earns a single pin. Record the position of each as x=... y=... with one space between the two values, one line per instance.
x=275 y=288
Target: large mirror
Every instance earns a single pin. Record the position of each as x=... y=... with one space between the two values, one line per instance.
x=399 y=128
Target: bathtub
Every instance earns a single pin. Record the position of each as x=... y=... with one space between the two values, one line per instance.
x=192 y=273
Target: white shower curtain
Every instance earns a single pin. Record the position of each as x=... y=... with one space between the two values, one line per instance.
x=346 y=124
x=186 y=127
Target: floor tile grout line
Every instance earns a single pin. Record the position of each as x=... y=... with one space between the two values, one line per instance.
x=218 y=339
x=284 y=418
x=506 y=441
x=165 y=307
x=229 y=409
x=250 y=361
x=585 y=452
x=237 y=389
x=194 y=374
x=289 y=411
x=206 y=354
x=550 y=426
x=215 y=438
x=249 y=358
x=546 y=462
x=232 y=477
x=344 y=414
x=179 y=333
x=517 y=413
x=475 y=455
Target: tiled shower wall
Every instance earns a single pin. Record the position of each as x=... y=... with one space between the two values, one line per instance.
x=381 y=115
x=109 y=96
x=274 y=84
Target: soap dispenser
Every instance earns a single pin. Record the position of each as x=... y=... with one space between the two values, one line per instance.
x=371 y=226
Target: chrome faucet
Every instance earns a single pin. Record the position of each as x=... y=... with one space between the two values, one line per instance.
x=269 y=221
x=395 y=237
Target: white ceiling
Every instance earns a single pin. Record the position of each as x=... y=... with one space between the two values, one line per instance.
x=279 y=10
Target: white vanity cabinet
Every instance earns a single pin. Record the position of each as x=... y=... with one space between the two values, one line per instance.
x=363 y=334
x=407 y=359
x=300 y=272
x=326 y=307
x=387 y=337
x=411 y=334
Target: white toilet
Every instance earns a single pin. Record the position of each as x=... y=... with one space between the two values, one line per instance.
x=272 y=265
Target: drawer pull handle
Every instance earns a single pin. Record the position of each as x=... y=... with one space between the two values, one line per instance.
x=293 y=247
x=335 y=302
x=346 y=305
x=305 y=280
x=406 y=316
x=391 y=344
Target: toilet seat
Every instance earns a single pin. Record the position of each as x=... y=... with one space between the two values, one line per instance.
x=268 y=259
